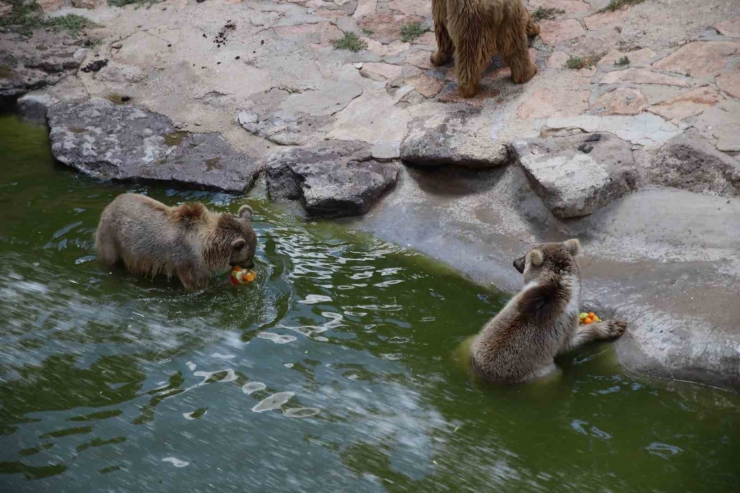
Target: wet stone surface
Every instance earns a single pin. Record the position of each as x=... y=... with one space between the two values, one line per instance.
x=122 y=142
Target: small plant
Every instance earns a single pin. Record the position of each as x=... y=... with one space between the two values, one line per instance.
x=26 y=17
x=622 y=62
x=410 y=32
x=368 y=32
x=577 y=62
x=290 y=89
x=618 y=4
x=350 y=42
x=71 y=22
x=546 y=13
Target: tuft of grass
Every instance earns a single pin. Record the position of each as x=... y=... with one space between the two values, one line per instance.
x=27 y=17
x=622 y=62
x=546 y=13
x=368 y=32
x=577 y=62
x=618 y=4
x=350 y=42
x=72 y=23
x=410 y=32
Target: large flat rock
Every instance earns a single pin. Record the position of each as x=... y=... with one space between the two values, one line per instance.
x=335 y=179
x=579 y=174
x=460 y=138
x=123 y=142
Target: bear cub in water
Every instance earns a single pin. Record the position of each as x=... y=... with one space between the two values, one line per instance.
x=188 y=240
x=541 y=321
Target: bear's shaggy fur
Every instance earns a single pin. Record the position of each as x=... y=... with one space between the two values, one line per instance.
x=521 y=342
x=188 y=240
x=475 y=30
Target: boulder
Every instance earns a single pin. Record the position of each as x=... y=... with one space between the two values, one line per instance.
x=578 y=174
x=30 y=63
x=33 y=106
x=460 y=138
x=336 y=179
x=123 y=142
x=689 y=162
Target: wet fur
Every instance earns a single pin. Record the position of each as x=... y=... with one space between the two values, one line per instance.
x=540 y=322
x=188 y=241
x=475 y=30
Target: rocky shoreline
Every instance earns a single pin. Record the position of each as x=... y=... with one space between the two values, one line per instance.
x=638 y=158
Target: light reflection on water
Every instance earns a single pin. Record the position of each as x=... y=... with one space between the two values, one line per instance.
x=332 y=372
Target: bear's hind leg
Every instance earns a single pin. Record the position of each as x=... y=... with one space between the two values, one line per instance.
x=469 y=65
x=445 y=48
x=514 y=47
x=533 y=29
x=105 y=245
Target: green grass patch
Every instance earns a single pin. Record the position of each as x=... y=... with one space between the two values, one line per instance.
x=72 y=23
x=368 y=32
x=622 y=62
x=546 y=13
x=350 y=42
x=27 y=17
x=410 y=32
x=577 y=62
x=618 y=4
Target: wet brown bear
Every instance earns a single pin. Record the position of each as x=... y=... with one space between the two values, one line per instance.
x=188 y=240
x=475 y=30
x=521 y=342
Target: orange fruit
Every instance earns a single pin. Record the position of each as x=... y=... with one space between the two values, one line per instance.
x=587 y=321
x=591 y=315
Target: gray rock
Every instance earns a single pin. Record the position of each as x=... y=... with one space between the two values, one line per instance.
x=459 y=138
x=574 y=183
x=33 y=107
x=29 y=63
x=689 y=162
x=120 y=73
x=122 y=142
x=334 y=180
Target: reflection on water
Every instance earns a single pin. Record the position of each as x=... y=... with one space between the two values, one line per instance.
x=332 y=372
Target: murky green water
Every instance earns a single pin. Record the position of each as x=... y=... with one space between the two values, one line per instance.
x=332 y=374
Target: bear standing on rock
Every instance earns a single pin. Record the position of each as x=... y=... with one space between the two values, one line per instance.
x=475 y=30
x=188 y=240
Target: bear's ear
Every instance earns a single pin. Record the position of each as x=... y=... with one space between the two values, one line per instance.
x=573 y=246
x=536 y=257
x=245 y=212
x=238 y=243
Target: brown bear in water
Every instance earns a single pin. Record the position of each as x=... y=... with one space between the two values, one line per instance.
x=475 y=30
x=188 y=240
x=521 y=342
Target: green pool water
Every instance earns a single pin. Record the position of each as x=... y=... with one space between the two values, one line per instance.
x=334 y=372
